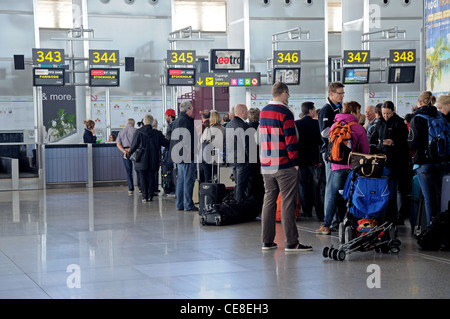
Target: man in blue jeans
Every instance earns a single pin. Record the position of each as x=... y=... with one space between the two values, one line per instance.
x=182 y=154
x=123 y=143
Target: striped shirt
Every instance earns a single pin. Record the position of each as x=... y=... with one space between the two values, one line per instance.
x=279 y=148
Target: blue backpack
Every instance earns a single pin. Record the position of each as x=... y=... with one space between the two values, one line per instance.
x=438 y=138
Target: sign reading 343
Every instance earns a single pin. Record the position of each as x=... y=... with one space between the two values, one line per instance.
x=48 y=56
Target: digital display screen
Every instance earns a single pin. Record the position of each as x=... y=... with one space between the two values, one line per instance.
x=289 y=76
x=48 y=77
x=104 y=77
x=181 y=77
x=227 y=59
x=356 y=75
x=401 y=74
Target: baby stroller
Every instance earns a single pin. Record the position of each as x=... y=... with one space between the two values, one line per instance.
x=364 y=226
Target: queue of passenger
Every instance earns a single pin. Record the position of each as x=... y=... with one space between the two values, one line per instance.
x=286 y=156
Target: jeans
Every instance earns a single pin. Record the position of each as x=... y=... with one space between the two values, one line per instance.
x=305 y=190
x=129 y=173
x=338 y=179
x=430 y=180
x=185 y=185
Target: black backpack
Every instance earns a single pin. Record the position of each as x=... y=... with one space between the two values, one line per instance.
x=437 y=233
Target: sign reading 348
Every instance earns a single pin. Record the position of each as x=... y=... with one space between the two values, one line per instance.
x=104 y=57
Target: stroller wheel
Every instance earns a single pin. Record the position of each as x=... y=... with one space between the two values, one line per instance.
x=335 y=254
x=325 y=252
x=394 y=247
x=330 y=252
x=341 y=255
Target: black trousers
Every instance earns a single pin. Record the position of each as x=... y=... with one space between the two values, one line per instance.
x=241 y=174
x=147 y=183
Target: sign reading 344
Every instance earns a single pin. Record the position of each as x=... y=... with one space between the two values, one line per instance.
x=104 y=57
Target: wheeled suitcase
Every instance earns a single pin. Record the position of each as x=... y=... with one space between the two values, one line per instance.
x=210 y=193
x=231 y=211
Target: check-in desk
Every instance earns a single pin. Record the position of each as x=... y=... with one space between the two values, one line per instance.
x=87 y=164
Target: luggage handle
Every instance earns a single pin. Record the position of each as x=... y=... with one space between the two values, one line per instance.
x=216 y=151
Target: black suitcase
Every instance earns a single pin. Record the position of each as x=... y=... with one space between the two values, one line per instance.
x=210 y=193
x=437 y=233
x=231 y=212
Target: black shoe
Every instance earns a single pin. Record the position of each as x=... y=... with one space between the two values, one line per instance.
x=180 y=208
x=297 y=248
x=193 y=209
x=269 y=246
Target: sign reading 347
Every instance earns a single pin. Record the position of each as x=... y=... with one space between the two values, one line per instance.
x=356 y=56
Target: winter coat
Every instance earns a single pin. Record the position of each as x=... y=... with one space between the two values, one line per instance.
x=152 y=141
x=398 y=157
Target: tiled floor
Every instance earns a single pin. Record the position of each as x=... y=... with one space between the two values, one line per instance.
x=102 y=243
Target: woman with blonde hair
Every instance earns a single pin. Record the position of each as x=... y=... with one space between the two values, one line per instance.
x=212 y=138
x=443 y=105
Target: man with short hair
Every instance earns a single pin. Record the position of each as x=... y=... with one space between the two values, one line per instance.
x=309 y=141
x=238 y=144
x=167 y=167
x=279 y=166
x=370 y=117
x=326 y=119
x=182 y=154
x=123 y=143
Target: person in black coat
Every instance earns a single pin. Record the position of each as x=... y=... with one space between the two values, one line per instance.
x=89 y=132
x=238 y=150
x=429 y=171
x=390 y=138
x=309 y=142
x=151 y=141
x=182 y=153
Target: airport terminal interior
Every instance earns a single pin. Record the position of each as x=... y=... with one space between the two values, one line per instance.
x=70 y=228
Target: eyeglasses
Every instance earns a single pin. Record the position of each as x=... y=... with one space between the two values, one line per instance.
x=287 y=93
x=340 y=93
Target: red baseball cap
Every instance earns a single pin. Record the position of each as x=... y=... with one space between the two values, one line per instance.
x=170 y=112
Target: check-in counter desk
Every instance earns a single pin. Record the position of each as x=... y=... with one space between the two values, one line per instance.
x=83 y=163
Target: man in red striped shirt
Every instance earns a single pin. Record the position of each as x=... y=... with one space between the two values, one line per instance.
x=279 y=166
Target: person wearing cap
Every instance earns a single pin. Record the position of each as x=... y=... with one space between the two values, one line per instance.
x=167 y=168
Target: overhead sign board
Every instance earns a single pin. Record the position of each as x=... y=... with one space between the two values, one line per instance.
x=236 y=79
x=48 y=77
x=402 y=56
x=104 y=57
x=48 y=56
x=227 y=59
x=104 y=77
x=286 y=58
x=356 y=57
x=181 y=57
x=180 y=77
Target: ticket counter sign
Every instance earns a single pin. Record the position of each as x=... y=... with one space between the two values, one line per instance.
x=236 y=79
x=180 y=77
x=48 y=56
x=48 y=77
x=402 y=56
x=286 y=58
x=104 y=77
x=356 y=57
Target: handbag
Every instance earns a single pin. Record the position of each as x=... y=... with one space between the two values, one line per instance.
x=137 y=154
x=368 y=165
